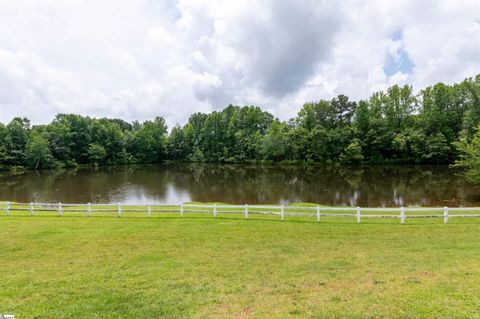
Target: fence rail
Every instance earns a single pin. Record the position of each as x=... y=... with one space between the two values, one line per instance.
x=316 y=212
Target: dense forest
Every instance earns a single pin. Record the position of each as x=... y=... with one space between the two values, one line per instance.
x=436 y=125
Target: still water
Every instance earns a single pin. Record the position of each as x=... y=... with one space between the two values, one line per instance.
x=252 y=184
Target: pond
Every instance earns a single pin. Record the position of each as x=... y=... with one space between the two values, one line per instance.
x=373 y=186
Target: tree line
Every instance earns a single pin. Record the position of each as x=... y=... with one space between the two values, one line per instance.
x=436 y=125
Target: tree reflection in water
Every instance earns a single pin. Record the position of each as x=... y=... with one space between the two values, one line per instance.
x=254 y=184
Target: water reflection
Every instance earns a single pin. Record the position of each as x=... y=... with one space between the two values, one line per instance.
x=253 y=184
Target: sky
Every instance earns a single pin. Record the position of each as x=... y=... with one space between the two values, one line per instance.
x=137 y=59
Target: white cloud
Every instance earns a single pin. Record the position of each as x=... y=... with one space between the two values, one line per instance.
x=136 y=59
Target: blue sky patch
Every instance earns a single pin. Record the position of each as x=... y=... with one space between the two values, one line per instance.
x=400 y=62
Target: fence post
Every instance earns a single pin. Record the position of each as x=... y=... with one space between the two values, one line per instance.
x=402 y=215
x=246 y=211
x=282 y=213
x=119 y=211
x=89 y=209
x=181 y=209
x=445 y=214
x=8 y=208
x=59 y=209
x=31 y=209
x=318 y=214
x=149 y=210
x=214 y=210
x=358 y=215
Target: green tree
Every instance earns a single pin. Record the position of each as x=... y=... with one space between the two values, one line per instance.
x=38 y=153
x=469 y=92
x=96 y=153
x=469 y=158
x=69 y=136
x=275 y=144
x=352 y=154
x=16 y=140
x=4 y=156
x=109 y=134
x=177 y=144
x=151 y=141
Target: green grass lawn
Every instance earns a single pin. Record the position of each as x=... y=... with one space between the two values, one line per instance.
x=200 y=267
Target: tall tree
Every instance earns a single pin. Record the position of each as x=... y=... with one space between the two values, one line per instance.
x=150 y=141
x=38 y=153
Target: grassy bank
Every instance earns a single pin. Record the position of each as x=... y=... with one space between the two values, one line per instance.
x=200 y=267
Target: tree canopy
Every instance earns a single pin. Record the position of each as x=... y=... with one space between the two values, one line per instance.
x=436 y=125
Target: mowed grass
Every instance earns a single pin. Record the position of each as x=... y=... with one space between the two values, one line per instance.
x=228 y=267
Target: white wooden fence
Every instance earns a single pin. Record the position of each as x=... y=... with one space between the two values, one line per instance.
x=316 y=212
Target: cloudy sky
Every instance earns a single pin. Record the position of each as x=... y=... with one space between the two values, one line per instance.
x=135 y=59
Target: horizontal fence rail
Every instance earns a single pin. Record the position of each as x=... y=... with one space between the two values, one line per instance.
x=315 y=212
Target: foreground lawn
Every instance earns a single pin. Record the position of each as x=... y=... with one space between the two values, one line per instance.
x=200 y=267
